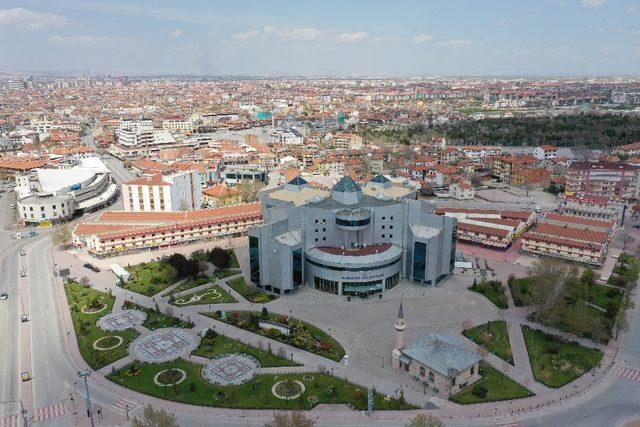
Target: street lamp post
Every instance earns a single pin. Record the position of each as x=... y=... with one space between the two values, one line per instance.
x=84 y=374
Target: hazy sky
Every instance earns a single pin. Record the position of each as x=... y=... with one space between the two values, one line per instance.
x=343 y=37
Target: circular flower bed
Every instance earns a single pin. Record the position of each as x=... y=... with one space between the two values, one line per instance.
x=169 y=377
x=313 y=399
x=307 y=377
x=93 y=310
x=220 y=395
x=287 y=389
x=107 y=343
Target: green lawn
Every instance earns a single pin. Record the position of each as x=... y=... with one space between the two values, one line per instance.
x=602 y=296
x=211 y=295
x=556 y=362
x=85 y=327
x=190 y=284
x=304 y=336
x=157 y=320
x=498 y=387
x=494 y=337
x=494 y=291
x=255 y=394
x=233 y=262
x=212 y=347
x=149 y=278
x=223 y=274
x=521 y=291
x=240 y=286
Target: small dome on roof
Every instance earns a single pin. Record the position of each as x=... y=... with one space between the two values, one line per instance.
x=380 y=179
x=297 y=181
x=347 y=185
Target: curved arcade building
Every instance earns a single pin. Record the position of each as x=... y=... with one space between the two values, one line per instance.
x=346 y=241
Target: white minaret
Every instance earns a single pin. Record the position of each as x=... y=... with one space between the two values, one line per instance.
x=400 y=325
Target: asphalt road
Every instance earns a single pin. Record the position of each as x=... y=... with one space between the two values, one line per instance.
x=10 y=322
x=51 y=371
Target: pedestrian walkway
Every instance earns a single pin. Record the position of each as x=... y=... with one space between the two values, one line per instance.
x=522 y=371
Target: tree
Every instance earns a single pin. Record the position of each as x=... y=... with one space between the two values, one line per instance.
x=249 y=190
x=293 y=419
x=155 y=418
x=265 y=313
x=185 y=267
x=422 y=420
x=62 y=236
x=220 y=258
x=549 y=276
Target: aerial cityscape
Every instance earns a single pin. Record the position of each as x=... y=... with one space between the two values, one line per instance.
x=301 y=214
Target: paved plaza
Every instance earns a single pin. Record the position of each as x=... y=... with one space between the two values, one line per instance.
x=164 y=345
x=127 y=319
x=230 y=369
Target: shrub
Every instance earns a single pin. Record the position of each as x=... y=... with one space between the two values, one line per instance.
x=479 y=391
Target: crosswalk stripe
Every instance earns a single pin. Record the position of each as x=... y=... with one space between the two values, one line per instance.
x=10 y=421
x=123 y=405
x=47 y=412
x=506 y=421
x=629 y=374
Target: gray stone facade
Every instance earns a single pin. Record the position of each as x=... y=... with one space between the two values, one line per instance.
x=347 y=242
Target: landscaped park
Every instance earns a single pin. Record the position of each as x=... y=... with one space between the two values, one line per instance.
x=176 y=360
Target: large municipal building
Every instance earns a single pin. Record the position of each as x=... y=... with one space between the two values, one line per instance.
x=350 y=240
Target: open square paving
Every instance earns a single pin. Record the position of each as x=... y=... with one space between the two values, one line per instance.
x=230 y=369
x=127 y=319
x=163 y=345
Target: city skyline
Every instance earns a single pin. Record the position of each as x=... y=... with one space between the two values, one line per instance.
x=578 y=38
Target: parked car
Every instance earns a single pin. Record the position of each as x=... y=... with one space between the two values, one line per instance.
x=23 y=273
x=4 y=296
x=91 y=267
x=23 y=252
x=25 y=375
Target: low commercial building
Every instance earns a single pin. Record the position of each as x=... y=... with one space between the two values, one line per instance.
x=117 y=232
x=590 y=206
x=487 y=227
x=346 y=242
x=233 y=174
x=572 y=238
x=56 y=194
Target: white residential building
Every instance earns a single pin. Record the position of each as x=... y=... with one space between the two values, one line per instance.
x=461 y=191
x=163 y=193
x=177 y=125
x=545 y=152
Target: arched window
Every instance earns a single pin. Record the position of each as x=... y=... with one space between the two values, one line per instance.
x=431 y=376
x=422 y=372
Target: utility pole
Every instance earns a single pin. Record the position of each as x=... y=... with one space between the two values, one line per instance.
x=23 y=412
x=84 y=374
